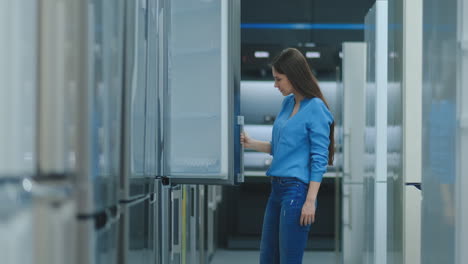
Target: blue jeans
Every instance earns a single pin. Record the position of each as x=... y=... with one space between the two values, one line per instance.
x=283 y=238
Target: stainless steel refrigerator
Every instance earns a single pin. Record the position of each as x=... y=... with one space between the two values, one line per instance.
x=99 y=127
x=17 y=133
x=37 y=222
x=199 y=117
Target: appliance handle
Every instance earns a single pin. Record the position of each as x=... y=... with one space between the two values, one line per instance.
x=175 y=217
x=240 y=176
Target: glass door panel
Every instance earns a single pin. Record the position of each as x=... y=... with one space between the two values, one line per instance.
x=441 y=102
x=152 y=106
x=106 y=46
x=461 y=195
x=201 y=131
x=137 y=92
x=135 y=181
x=375 y=177
x=135 y=88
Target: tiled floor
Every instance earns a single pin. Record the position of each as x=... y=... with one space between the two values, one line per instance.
x=251 y=257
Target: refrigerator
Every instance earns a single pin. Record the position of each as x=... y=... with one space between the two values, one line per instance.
x=37 y=215
x=354 y=83
x=17 y=136
x=376 y=118
x=200 y=91
x=97 y=130
x=199 y=120
x=79 y=129
x=139 y=164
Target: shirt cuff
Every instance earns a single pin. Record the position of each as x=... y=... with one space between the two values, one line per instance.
x=316 y=176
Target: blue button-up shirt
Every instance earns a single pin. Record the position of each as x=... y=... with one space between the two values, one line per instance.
x=300 y=143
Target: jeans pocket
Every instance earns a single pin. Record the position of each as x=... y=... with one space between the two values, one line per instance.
x=293 y=213
x=290 y=182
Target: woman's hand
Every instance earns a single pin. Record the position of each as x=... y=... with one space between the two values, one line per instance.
x=246 y=140
x=308 y=213
x=250 y=143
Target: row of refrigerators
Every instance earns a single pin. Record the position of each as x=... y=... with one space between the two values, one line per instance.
x=114 y=113
x=169 y=225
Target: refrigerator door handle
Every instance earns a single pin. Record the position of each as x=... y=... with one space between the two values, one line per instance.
x=347 y=154
x=175 y=232
x=240 y=176
x=350 y=210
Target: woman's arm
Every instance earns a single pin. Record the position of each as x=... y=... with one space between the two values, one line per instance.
x=258 y=145
x=308 y=209
x=319 y=137
x=313 y=190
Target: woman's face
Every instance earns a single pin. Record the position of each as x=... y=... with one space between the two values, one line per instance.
x=282 y=83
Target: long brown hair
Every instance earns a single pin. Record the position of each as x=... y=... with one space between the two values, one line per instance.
x=294 y=65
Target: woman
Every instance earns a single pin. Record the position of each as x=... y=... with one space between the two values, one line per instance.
x=302 y=147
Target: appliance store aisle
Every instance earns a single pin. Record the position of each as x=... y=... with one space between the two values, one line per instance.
x=252 y=257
